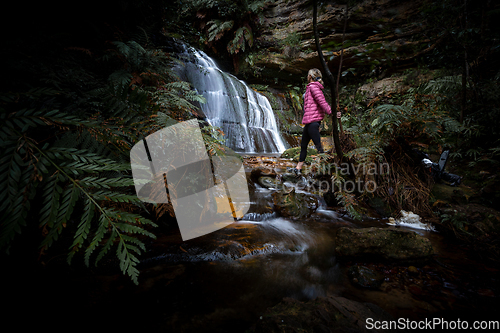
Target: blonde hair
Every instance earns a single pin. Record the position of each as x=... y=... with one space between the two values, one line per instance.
x=314 y=74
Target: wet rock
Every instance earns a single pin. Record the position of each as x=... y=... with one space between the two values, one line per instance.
x=293 y=204
x=383 y=243
x=262 y=171
x=323 y=314
x=413 y=270
x=415 y=290
x=291 y=177
x=268 y=182
x=365 y=277
x=295 y=152
x=290 y=152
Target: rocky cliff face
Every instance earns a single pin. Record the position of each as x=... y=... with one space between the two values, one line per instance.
x=378 y=32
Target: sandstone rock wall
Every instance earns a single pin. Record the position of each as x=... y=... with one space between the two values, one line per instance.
x=386 y=30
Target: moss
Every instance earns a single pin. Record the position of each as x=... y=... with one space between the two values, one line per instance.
x=295 y=151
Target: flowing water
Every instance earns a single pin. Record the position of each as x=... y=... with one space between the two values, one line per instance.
x=226 y=280
x=244 y=115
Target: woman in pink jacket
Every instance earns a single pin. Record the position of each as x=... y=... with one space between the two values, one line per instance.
x=315 y=108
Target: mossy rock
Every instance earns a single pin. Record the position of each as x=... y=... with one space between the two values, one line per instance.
x=384 y=243
x=268 y=182
x=451 y=194
x=293 y=204
x=365 y=277
x=295 y=129
x=308 y=159
x=294 y=154
x=322 y=314
x=295 y=151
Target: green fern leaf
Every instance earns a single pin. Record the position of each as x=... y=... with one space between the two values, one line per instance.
x=104 y=223
x=128 y=261
x=114 y=196
x=83 y=228
x=99 y=182
x=65 y=210
x=105 y=249
x=217 y=29
x=50 y=204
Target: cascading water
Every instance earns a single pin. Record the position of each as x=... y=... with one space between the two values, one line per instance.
x=245 y=116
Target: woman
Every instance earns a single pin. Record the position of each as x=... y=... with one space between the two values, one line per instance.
x=315 y=107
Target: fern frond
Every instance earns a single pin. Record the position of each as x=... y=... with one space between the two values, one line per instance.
x=218 y=28
x=120 y=79
x=83 y=228
x=15 y=203
x=67 y=150
x=99 y=182
x=50 y=205
x=444 y=85
x=128 y=261
x=104 y=223
x=127 y=249
x=84 y=167
x=65 y=209
x=257 y=6
x=114 y=196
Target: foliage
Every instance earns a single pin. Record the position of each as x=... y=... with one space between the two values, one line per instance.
x=420 y=120
x=230 y=23
x=240 y=36
x=291 y=44
x=345 y=197
x=455 y=220
x=385 y=135
x=66 y=134
x=62 y=177
x=293 y=39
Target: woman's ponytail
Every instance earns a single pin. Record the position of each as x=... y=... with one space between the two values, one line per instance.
x=315 y=75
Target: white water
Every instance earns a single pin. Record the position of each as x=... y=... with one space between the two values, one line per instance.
x=410 y=220
x=245 y=116
x=289 y=233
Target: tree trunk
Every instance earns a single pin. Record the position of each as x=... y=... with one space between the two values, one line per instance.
x=465 y=72
x=340 y=66
x=331 y=82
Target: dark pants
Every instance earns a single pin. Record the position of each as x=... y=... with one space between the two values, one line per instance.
x=311 y=131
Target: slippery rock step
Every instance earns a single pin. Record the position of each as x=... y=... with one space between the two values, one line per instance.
x=383 y=243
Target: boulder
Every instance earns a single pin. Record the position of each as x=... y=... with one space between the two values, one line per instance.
x=293 y=204
x=294 y=151
x=384 y=243
x=323 y=314
x=291 y=177
x=365 y=277
x=269 y=182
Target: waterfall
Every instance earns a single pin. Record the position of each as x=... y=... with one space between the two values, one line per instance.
x=245 y=116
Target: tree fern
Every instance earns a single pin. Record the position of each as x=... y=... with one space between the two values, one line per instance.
x=64 y=152
x=240 y=36
x=217 y=28
x=444 y=85
x=66 y=175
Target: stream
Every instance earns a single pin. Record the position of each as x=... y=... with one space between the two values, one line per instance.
x=226 y=280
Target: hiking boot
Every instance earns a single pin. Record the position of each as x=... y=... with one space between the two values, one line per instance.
x=295 y=171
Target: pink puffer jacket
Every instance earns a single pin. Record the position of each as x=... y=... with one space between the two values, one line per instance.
x=315 y=105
